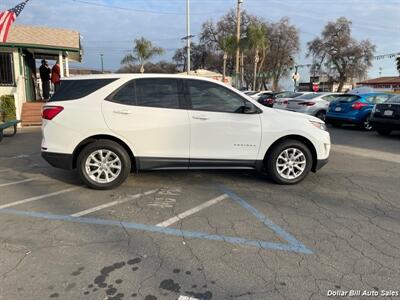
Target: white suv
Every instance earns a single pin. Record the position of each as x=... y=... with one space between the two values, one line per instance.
x=107 y=125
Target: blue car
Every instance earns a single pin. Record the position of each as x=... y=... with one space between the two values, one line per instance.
x=354 y=109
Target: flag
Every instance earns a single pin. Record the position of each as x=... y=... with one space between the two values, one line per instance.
x=7 y=18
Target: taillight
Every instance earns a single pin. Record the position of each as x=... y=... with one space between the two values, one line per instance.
x=307 y=103
x=49 y=112
x=358 y=105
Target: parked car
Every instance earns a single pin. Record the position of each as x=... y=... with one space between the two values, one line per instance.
x=268 y=99
x=386 y=116
x=107 y=125
x=314 y=104
x=281 y=103
x=256 y=95
x=354 y=109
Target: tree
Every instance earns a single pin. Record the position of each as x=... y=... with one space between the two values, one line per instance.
x=256 y=43
x=143 y=50
x=398 y=64
x=340 y=53
x=161 y=67
x=198 y=55
x=283 y=44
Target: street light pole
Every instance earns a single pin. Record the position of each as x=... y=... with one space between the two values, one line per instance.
x=188 y=35
x=237 y=65
x=102 y=63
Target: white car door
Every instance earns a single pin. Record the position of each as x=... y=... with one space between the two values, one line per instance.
x=148 y=113
x=221 y=134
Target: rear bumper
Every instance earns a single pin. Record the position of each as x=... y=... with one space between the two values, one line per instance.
x=319 y=164
x=58 y=160
x=385 y=123
x=342 y=118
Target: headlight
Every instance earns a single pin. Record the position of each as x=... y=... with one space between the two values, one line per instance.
x=319 y=125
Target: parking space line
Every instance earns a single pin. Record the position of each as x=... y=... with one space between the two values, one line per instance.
x=186 y=298
x=16 y=182
x=192 y=211
x=116 y=202
x=298 y=248
x=39 y=197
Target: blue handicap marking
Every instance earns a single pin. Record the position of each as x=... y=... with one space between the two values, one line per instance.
x=292 y=244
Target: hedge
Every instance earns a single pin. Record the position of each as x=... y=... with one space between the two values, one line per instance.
x=7 y=108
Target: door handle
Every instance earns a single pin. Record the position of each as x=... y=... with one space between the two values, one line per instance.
x=200 y=117
x=122 y=112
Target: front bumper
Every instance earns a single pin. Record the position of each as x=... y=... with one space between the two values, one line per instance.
x=59 y=160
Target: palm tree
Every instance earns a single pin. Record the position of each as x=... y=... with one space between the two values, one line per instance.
x=257 y=39
x=228 y=45
x=143 y=50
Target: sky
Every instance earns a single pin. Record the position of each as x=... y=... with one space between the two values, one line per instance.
x=111 y=31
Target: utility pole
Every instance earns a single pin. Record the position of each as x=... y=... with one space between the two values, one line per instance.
x=102 y=63
x=188 y=34
x=237 y=65
x=256 y=59
x=224 y=68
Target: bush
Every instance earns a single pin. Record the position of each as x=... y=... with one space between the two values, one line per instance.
x=7 y=108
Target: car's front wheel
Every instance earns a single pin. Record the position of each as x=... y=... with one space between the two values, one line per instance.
x=103 y=165
x=289 y=162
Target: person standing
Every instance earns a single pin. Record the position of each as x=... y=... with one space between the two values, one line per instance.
x=56 y=76
x=45 y=73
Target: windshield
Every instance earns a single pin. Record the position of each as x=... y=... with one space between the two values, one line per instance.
x=346 y=98
x=395 y=99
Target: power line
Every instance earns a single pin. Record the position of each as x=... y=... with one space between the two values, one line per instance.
x=144 y=10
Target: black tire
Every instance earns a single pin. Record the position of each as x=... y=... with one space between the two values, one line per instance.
x=272 y=158
x=115 y=148
x=336 y=124
x=366 y=125
x=385 y=132
x=321 y=115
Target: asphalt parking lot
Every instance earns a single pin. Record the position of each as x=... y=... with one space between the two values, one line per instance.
x=202 y=235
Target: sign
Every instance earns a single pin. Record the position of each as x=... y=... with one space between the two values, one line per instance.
x=296 y=76
x=315 y=86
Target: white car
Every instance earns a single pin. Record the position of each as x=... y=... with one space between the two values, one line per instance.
x=282 y=103
x=256 y=95
x=107 y=125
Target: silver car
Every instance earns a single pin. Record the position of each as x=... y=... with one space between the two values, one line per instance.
x=315 y=104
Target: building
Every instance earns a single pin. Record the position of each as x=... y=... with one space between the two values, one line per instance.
x=382 y=84
x=20 y=55
x=325 y=84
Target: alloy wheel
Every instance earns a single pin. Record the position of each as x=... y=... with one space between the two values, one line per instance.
x=103 y=166
x=291 y=163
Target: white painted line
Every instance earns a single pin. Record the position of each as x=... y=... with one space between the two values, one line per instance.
x=39 y=197
x=374 y=154
x=192 y=211
x=16 y=182
x=186 y=298
x=116 y=202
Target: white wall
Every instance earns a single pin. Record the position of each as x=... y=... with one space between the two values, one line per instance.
x=17 y=91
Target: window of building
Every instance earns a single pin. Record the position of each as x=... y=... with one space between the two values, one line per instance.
x=6 y=69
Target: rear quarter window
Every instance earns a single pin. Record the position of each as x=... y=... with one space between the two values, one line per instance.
x=76 y=89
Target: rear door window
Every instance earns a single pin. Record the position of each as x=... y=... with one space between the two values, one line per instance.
x=76 y=89
x=158 y=92
x=395 y=100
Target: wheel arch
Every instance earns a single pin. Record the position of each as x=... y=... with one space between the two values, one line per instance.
x=97 y=137
x=299 y=138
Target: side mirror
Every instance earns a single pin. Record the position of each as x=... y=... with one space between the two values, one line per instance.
x=249 y=108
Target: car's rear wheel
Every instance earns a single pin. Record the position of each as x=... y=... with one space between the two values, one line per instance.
x=382 y=131
x=366 y=124
x=289 y=162
x=103 y=165
x=321 y=115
